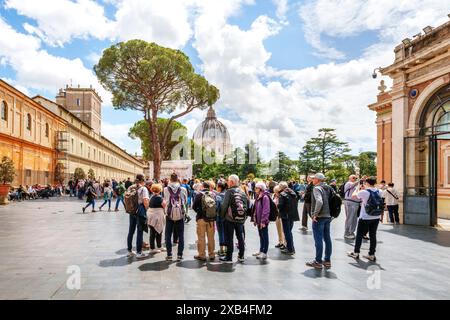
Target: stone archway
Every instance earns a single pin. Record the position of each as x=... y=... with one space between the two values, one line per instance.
x=419 y=105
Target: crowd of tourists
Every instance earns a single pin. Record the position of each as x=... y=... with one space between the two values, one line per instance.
x=222 y=207
x=33 y=192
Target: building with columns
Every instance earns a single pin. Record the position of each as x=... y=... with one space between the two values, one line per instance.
x=413 y=126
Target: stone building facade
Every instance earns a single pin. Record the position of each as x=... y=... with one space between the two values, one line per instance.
x=37 y=133
x=413 y=126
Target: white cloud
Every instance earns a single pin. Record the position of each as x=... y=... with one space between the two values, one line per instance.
x=394 y=20
x=60 y=21
x=36 y=68
x=118 y=134
x=282 y=8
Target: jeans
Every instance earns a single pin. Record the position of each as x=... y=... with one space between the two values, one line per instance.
x=365 y=226
x=305 y=213
x=230 y=228
x=118 y=200
x=263 y=239
x=106 y=201
x=139 y=236
x=393 y=213
x=155 y=236
x=220 y=231
x=351 y=220
x=288 y=224
x=91 y=203
x=172 y=226
x=321 y=232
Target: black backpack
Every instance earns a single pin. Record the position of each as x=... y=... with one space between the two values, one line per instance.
x=342 y=191
x=273 y=210
x=335 y=203
x=238 y=207
x=375 y=204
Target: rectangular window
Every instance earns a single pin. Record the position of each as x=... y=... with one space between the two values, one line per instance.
x=28 y=173
x=73 y=150
x=78 y=102
x=89 y=152
x=47 y=174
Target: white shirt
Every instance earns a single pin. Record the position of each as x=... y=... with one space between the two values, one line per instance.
x=389 y=198
x=364 y=195
x=143 y=194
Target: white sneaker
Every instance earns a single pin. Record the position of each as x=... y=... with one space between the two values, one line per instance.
x=350 y=236
x=131 y=254
x=263 y=256
x=303 y=228
x=141 y=255
x=156 y=251
x=163 y=249
x=256 y=254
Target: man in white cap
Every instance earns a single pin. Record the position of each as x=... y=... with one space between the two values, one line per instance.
x=321 y=220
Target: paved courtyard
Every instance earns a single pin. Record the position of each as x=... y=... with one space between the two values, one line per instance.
x=40 y=241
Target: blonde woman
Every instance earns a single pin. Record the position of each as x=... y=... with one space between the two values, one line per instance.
x=281 y=241
x=156 y=217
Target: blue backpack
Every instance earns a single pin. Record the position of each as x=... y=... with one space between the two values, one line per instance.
x=375 y=204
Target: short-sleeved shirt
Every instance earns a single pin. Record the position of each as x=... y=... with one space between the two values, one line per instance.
x=156 y=201
x=364 y=195
x=142 y=194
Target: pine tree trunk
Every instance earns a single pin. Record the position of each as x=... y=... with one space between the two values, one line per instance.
x=153 y=125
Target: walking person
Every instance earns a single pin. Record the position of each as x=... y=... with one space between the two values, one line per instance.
x=261 y=213
x=107 y=196
x=321 y=222
x=156 y=218
x=120 y=191
x=307 y=203
x=175 y=197
x=143 y=200
x=205 y=207
x=279 y=223
x=391 y=197
x=352 y=207
x=371 y=210
x=234 y=213
x=288 y=209
x=90 y=199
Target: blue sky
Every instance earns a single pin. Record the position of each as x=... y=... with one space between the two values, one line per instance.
x=285 y=68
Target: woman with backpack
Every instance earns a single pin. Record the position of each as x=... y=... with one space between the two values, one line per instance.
x=220 y=194
x=156 y=218
x=260 y=218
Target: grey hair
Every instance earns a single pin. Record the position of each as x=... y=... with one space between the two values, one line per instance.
x=234 y=178
x=283 y=185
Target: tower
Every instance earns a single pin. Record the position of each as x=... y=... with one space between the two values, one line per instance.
x=85 y=103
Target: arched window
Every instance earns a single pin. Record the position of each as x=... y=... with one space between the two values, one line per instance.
x=47 y=130
x=4 y=111
x=29 y=121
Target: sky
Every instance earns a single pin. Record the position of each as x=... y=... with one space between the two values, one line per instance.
x=284 y=68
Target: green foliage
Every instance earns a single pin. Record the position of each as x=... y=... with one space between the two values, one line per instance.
x=154 y=80
x=320 y=153
x=367 y=164
x=243 y=162
x=59 y=172
x=286 y=168
x=91 y=174
x=79 y=174
x=141 y=129
x=7 y=170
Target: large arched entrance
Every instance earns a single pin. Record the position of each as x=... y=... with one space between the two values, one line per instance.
x=427 y=163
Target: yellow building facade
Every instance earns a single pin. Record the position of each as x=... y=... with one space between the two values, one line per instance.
x=36 y=133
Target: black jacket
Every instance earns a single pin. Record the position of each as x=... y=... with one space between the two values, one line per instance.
x=288 y=205
x=308 y=193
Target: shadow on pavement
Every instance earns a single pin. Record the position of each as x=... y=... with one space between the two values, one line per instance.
x=254 y=262
x=366 y=265
x=119 y=262
x=155 y=266
x=191 y=264
x=317 y=273
x=427 y=234
x=220 y=267
x=275 y=254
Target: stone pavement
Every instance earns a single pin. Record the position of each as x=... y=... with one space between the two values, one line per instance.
x=40 y=240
